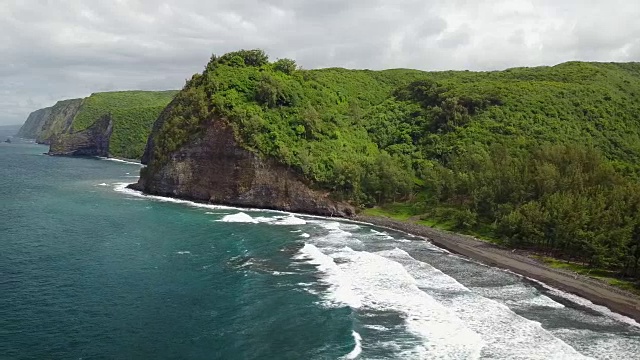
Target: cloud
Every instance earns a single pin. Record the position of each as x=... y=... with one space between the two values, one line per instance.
x=70 y=48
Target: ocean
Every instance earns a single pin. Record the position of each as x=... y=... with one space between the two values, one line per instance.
x=92 y=270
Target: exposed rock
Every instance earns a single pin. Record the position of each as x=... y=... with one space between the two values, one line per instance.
x=215 y=169
x=93 y=141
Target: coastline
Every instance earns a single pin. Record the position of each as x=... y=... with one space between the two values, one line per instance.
x=599 y=293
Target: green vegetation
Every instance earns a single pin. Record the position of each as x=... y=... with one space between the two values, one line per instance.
x=546 y=159
x=134 y=113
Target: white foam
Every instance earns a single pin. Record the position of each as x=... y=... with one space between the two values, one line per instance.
x=290 y=220
x=336 y=236
x=305 y=235
x=281 y=273
x=340 y=288
x=103 y=184
x=238 y=218
x=349 y=226
x=603 y=310
x=382 y=234
x=357 y=349
x=183 y=252
x=381 y=284
x=121 y=161
x=376 y=327
x=122 y=188
x=601 y=345
x=506 y=335
x=518 y=294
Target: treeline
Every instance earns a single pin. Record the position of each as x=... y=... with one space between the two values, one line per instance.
x=565 y=201
x=542 y=158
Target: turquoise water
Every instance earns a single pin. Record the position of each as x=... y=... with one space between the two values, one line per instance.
x=91 y=270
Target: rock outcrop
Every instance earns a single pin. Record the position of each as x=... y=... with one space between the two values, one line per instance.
x=93 y=141
x=215 y=169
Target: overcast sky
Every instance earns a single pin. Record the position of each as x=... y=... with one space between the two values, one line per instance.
x=58 y=49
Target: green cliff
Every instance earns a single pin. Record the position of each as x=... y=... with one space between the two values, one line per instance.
x=543 y=158
x=43 y=124
x=133 y=114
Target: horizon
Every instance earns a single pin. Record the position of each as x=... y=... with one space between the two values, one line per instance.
x=71 y=49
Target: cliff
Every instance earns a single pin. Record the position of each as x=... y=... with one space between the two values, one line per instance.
x=133 y=114
x=59 y=120
x=93 y=141
x=42 y=124
x=214 y=168
x=33 y=126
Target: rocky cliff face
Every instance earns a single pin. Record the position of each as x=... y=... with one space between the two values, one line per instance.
x=93 y=141
x=214 y=168
x=45 y=123
x=59 y=120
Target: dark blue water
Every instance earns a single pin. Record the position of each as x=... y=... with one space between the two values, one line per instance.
x=90 y=270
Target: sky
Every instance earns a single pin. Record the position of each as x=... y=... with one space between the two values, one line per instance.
x=59 y=49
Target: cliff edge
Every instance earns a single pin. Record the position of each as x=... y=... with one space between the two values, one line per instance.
x=214 y=168
x=93 y=141
x=46 y=123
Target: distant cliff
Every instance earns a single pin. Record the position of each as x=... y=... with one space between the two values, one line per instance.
x=92 y=141
x=42 y=124
x=59 y=120
x=33 y=126
x=132 y=114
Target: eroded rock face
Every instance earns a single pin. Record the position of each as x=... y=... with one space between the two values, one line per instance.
x=214 y=168
x=93 y=141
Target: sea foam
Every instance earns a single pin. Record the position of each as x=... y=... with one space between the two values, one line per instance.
x=603 y=310
x=382 y=285
x=238 y=218
x=357 y=349
x=340 y=288
x=121 y=161
x=505 y=334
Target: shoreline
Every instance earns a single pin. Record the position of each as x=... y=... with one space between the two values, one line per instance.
x=599 y=293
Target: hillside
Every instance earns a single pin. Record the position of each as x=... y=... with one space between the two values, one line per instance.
x=133 y=114
x=43 y=124
x=543 y=158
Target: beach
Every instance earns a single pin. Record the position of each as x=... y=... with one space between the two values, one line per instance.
x=596 y=291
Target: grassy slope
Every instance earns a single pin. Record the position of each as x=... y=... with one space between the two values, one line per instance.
x=134 y=113
x=545 y=158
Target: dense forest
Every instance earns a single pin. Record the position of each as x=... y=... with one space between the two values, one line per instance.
x=133 y=112
x=545 y=159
